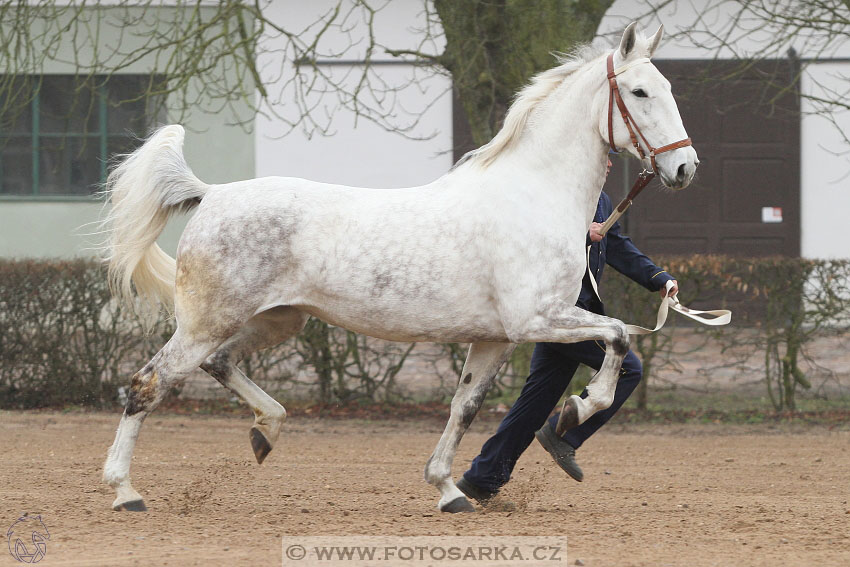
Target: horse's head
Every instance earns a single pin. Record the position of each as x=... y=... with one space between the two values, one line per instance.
x=656 y=133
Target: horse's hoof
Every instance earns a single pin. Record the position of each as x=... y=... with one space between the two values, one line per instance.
x=131 y=506
x=459 y=504
x=260 y=445
x=568 y=418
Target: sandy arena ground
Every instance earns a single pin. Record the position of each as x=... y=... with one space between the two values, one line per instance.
x=683 y=495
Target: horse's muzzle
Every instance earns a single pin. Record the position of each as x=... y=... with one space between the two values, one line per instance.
x=681 y=173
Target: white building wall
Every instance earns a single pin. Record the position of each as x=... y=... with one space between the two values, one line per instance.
x=358 y=152
x=824 y=158
x=825 y=167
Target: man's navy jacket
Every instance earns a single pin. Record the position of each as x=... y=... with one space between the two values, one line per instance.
x=617 y=250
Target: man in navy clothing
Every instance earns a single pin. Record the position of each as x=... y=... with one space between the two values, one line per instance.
x=553 y=366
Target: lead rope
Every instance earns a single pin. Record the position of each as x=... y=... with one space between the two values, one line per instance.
x=718 y=316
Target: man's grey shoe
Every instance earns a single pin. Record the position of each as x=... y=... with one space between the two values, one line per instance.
x=480 y=495
x=490 y=500
x=561 y=451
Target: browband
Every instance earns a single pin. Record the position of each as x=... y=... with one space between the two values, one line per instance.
x=627 y=66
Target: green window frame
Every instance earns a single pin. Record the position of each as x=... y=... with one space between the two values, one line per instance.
x=70 y=128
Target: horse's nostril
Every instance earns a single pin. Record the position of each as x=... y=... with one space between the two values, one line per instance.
x=680 y=173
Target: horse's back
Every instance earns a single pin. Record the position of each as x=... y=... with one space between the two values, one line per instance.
x=377 y=260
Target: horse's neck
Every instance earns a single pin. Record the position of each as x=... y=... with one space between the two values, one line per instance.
x=564 y=146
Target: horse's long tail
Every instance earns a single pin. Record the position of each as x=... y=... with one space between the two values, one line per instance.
x=145 y=188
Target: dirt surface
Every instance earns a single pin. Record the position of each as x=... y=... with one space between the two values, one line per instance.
x=653 y=495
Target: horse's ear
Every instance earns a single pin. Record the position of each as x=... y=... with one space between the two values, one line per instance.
x=655 y=40
x=627 y=44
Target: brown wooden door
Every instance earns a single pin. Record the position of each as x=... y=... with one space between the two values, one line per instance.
x=747 y=136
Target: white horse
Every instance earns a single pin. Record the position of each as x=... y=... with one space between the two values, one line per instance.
x=491 y=254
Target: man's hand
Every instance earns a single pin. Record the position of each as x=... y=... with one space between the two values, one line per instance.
x=594 y=231
x=673 y=290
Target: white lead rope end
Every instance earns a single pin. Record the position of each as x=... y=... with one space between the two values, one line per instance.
x=717 y=317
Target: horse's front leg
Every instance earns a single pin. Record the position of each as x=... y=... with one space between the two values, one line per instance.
x=562 y=324
x=482 y=363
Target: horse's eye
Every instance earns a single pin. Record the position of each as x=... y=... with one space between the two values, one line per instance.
x=640 y=93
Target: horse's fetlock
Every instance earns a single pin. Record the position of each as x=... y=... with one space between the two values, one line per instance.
x=275 y=416
x=110 y=477
x=435 y=471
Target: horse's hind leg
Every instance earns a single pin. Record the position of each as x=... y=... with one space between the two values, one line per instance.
x=167 y=368
x=262 y=331
x=479 y=370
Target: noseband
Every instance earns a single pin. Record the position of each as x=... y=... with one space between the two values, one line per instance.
x=647 y=175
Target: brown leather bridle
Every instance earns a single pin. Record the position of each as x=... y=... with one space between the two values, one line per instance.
x=645 y=176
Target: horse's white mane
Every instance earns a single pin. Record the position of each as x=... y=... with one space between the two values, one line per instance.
x=541 y=86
